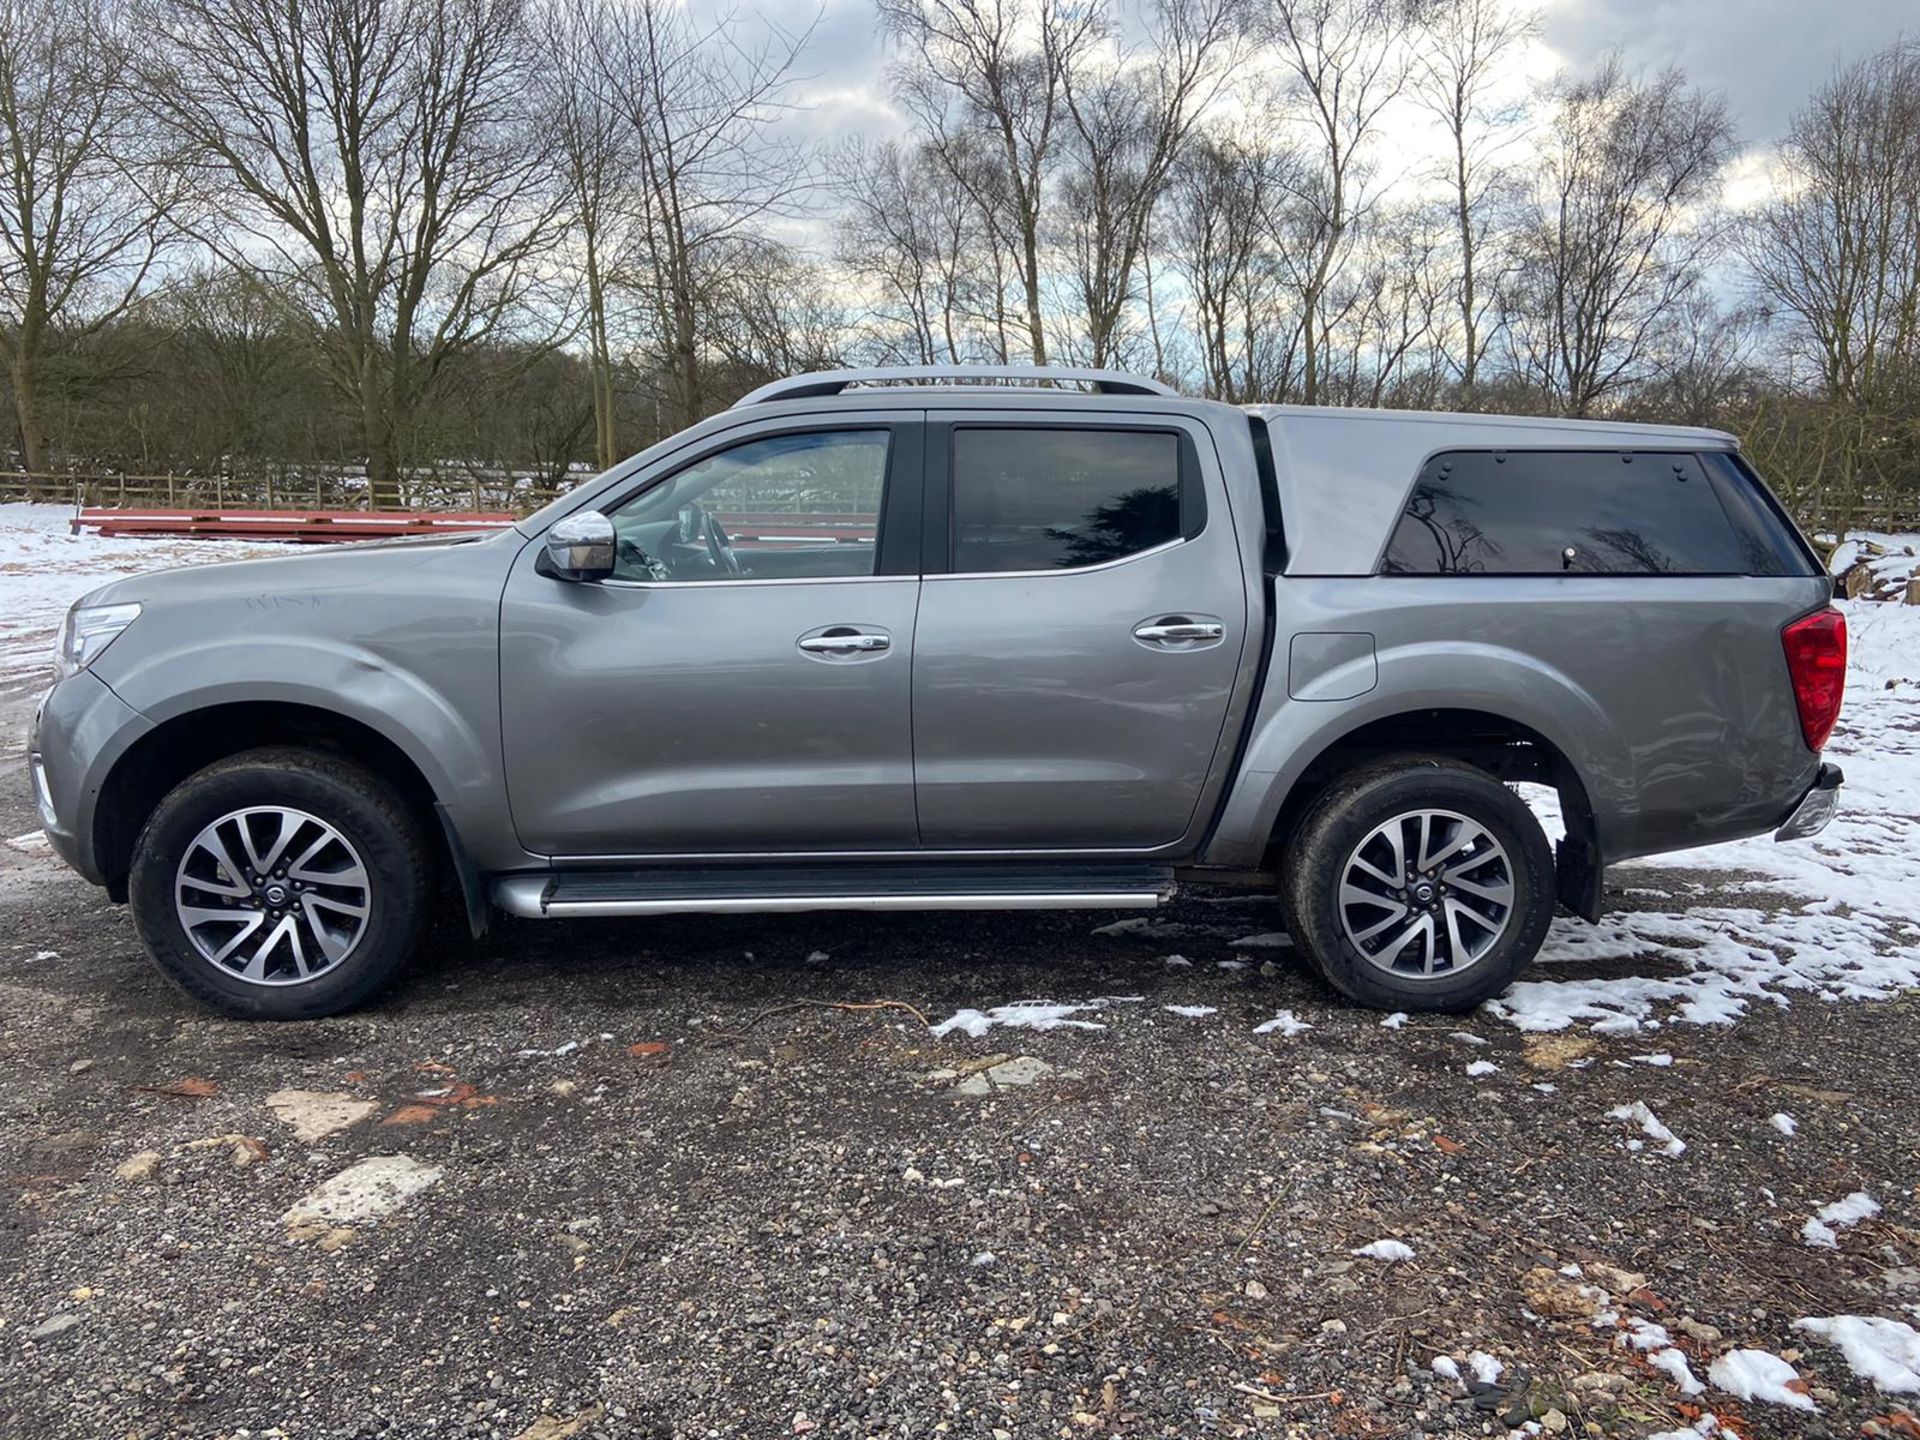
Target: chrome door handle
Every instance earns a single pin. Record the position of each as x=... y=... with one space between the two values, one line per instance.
x=850 y=644
x=1182 y=630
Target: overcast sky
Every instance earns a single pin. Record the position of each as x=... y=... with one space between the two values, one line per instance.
x=1766 y=55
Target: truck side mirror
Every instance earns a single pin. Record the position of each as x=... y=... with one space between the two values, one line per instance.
x=579 y=548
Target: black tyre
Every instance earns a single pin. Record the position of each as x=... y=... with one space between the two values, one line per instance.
x=1419 y=883
x=281 y=884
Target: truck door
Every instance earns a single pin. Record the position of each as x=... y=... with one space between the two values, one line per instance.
x=1082 y=621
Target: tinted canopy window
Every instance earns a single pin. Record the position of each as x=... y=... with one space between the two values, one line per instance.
x=1052 y=499
x=1582 y=512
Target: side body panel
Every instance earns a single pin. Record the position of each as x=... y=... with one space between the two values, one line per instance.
x=1669 y=696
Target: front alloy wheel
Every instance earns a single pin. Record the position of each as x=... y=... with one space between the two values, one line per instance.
x=281 y=884
x=272 y=895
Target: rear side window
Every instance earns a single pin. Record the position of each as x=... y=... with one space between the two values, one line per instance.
x=1059 y=499
x=1560 y=512
x=1767 y=538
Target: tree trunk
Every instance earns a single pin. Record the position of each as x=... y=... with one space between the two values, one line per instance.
x=606 y=450
x=376 y=425
x=26 y=409
x=1469 y=371
x=1030 y=278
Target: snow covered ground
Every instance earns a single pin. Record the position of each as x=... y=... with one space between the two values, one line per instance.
x=1852 y=927
x=44 y=569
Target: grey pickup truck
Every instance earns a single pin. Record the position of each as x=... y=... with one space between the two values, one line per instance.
x=967 y=638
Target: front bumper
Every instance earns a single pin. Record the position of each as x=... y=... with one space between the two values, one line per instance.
x=1816 y=807
x=79 y=730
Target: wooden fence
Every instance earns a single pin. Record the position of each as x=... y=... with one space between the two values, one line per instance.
x=1899 y=514
x=308 y=492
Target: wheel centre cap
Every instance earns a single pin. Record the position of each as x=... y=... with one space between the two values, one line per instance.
x=1423 y=892
x=274 y=894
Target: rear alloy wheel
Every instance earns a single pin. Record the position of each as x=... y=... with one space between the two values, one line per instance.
x=1428 y=892
x=280 y=884
x=1419 y=884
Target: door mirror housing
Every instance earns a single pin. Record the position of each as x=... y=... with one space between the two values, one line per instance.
x=579 y=548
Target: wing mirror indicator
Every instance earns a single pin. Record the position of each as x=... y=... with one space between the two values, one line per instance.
x=580 y=547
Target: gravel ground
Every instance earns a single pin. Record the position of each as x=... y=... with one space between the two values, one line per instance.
x=669 y=1188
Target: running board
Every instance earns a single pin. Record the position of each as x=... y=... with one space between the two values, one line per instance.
x=785 y=889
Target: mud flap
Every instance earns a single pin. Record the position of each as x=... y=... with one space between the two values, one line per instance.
x=1579 y=878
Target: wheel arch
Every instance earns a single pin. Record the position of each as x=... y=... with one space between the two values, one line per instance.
x=1503 y=747
x=194 y=739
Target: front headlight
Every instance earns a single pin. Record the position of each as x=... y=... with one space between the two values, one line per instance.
x=88 y=631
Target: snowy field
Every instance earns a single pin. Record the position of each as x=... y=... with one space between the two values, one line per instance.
x=44 y=568
x=1832 y=919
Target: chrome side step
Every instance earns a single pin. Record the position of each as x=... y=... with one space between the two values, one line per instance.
x=787 y=889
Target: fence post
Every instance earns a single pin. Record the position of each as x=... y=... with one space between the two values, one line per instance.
x=219 y=491
x=170 y=500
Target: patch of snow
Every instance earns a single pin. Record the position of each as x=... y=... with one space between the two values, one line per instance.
x=1029 y=1015
x=1391 y=1251
x=1546 y=1087
x=1661 y=1059
x=1482 y=1067
x=1674 y=1363
x=1231 y=964
x=1758 y=1375
x=1466 y=1037
x=1271 y=940
x=1286 y=1023
x=1394 y=1021
x=1445 y=1366
x=1486 y=1369
x=1177 y=962
x=1650 y=1126
x=1645 y=1335
x=1883 y=1352
x=554 y=1054
x=1783 y=1122
x=1822 y=1231
x=1192 y=1012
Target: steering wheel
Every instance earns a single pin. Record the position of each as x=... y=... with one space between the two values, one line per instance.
x=720 y=547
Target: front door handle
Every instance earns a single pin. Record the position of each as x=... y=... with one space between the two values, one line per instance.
x=842 y=642
x=1179 y=632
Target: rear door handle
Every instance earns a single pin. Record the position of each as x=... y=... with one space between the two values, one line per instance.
x=1179 y=632
x=844 y=642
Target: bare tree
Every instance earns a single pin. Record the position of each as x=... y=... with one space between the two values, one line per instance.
x=999 y=67
x=372 y=157
x=1228 y=196
x=84 y=207
x=1129 y=119
x=1463 y=56
x=1345 y=61
x=910 y=229
x=1616 y=234
x=699 y=100
x=1836 y=251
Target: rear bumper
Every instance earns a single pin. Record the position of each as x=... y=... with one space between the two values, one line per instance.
x=1816 y=807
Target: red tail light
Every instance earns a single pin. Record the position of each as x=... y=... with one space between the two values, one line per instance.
x=1817 y=660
